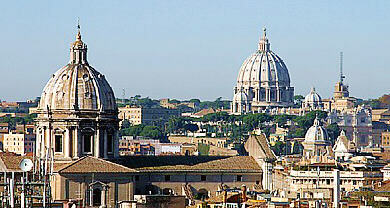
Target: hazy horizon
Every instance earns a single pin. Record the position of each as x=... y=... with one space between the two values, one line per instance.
x=194 y=49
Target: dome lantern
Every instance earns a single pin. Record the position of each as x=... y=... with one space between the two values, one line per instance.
x=264 y=44
x=78 y=50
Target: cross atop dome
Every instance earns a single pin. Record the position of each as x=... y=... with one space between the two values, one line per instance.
x=264 y=44
x=78 y=37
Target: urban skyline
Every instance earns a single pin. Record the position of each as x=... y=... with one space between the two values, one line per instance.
x=176 y=36
x=227 y=104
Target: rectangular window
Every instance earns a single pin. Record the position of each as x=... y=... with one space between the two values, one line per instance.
x=239 y=177
x=110 y=143
x=87 y=143
x=203 y=178
x=167 y=178
x=58 y=143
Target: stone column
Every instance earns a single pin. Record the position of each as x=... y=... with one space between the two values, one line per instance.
x=115 y=148
x=103 y=196
x=77 y=143
x=41 y=143
x=96 y=142
x=74 y=143
x=66 y=142
x=105 y=144
x=70 y=142
x=268 y=95
x=90 y=196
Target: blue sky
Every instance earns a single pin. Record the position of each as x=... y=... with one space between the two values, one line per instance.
x=194 y=49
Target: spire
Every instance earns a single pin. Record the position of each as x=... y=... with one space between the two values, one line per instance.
x=78 y=49
x=263 y=43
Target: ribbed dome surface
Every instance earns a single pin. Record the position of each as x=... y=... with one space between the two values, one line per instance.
x=78 y=86
x=316 y=133
x=313 y=97
x=263 y=68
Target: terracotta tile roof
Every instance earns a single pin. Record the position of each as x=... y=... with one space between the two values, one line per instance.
x=90 y=164
x=230 y=164
x=230 y=198
x=11 y=161
x=204 y=112
x=382 y=186
x=136 y=162
x=264 y=145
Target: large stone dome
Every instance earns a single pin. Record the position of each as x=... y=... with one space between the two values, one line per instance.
x=264 y=77
x=263 y=68
x=77 y=115
x=78 y=85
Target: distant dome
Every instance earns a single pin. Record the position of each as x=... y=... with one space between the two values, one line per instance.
x=313 y=97
x=78 y=85
x=263 y=68
x=265 y=79
x=316 y=133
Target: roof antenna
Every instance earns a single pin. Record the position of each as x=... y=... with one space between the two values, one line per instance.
x=341 y=68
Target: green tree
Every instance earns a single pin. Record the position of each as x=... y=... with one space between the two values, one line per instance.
x=125 y=124
x=132 y=130
x=298 y=99
x=152 y=132
x=191 y=127
x=333 y=131
x=174 y=101
x=196 y=101
x=175 y=124
x=279 y=148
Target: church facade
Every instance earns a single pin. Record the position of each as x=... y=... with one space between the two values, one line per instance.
x=263 y=82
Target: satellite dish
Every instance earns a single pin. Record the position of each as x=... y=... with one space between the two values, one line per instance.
x=26 y=165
